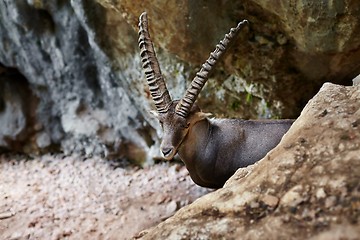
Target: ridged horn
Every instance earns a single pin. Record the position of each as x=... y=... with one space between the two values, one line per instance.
x=185 y=104
x=150 y=64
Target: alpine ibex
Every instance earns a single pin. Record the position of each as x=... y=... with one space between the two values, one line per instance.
x=212 y=149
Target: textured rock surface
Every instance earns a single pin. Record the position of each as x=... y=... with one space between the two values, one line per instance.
x=81 y=63
x=84 y=105
x=58 y=197
x=308 y=187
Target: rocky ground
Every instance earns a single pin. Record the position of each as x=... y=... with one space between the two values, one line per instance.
x=58 y=197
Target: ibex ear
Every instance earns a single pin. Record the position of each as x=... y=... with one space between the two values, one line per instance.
x=154 y=113
x=200 y=116
x=204 y=115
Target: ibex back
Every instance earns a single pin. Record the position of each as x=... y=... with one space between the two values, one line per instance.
x=212 y=149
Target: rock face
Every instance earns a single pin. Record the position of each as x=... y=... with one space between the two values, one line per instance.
x=83 y=90
x=84 y=105
x=308 y=187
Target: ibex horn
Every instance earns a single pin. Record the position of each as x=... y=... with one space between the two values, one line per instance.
x=185 y=104
x=151 y=67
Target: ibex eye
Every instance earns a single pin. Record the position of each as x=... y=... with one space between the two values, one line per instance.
x=187 y=125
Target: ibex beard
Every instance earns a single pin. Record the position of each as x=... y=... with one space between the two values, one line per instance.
x=212 y=149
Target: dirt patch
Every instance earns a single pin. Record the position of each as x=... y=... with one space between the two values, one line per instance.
x=57 y=197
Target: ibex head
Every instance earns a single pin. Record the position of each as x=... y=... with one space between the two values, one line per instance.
x=175 y=127
x=176 y=117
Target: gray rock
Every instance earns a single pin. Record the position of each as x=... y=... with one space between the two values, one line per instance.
x=82 y=99
x=356 y=80
x=82 y=65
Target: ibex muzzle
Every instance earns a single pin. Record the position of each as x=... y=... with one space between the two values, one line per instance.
x=212 y=149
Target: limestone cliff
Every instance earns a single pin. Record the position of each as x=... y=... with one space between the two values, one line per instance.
x=71 y=78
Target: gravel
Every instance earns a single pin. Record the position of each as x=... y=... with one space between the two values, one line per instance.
x=59 y=197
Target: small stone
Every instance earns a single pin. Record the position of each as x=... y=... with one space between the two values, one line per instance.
x=254 y=204
x=293 y=198
x=308 y=213
x=281 y=39
x=16 y=235
x=270 y=200
x=320 y=193
x=7 y=214
x=356 y=80
x=162 y=199
x=171 y=208
x=341 y=147
x=43 y=140
x=262 y=40
x=182 y=179
x=330 y=201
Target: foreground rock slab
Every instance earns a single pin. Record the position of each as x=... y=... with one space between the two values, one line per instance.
x=308 y=187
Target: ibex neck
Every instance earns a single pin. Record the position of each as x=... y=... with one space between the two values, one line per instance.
x=195 y=141
x=193 y=148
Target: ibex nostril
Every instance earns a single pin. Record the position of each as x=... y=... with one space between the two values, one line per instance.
x=166 y=151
